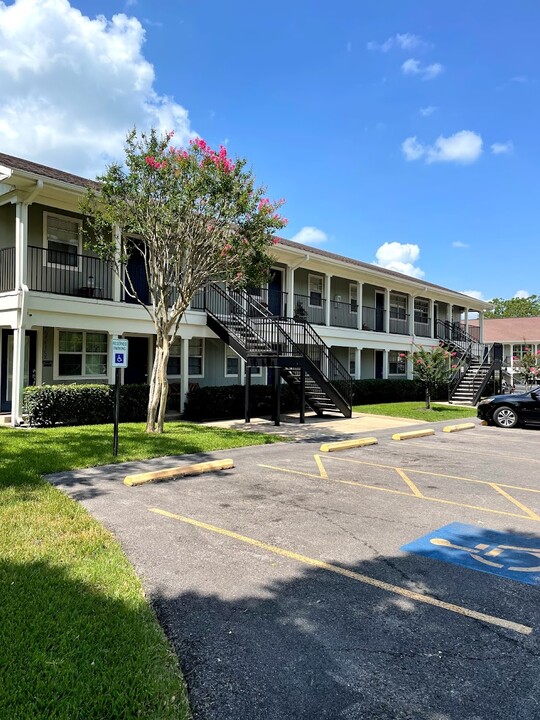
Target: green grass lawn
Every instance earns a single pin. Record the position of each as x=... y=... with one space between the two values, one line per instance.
x=417 y=411
x=77 y=637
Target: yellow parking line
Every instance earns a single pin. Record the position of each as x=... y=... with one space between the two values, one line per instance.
x=351 y=574
x=519 y=504
x=530 y=515
x=452 y=449
x=409 y=482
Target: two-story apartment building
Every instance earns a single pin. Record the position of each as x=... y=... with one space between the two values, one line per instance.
x=60 y=306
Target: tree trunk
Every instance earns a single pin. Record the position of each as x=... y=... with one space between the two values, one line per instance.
x=159 y=387
x=428 y=398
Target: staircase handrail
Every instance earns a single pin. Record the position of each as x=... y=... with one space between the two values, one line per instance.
x=282 y=331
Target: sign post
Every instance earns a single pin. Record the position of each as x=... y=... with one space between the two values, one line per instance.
x=119 y=359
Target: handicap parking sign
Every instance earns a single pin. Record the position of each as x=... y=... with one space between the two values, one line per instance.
x=490 y=551
x=119 y=355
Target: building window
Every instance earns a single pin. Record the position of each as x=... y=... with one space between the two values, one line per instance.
x=232 y=363
x=518 y=351
x=398 y=307
x=196 y=354
x=82 y=354
x=62 y=241
x=397 y=365
x=421 y=311
x=315 y=290
x=352 y=361
x=175 y=354
x=353 y=297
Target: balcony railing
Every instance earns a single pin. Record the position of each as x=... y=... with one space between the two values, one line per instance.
x=343 y=314
x=423 y=328
x=373 y=319
x=307 y=308
x=7 y=269
x=399 y=325
x=62 y=273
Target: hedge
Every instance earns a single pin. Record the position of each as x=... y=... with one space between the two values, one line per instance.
x=227 y=401
x=48 y=405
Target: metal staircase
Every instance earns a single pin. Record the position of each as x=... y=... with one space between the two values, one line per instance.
x=292 y=346
x=476 y=362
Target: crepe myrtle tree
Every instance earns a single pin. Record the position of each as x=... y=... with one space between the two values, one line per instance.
x=528 y=366
x=432 y=366
x=190 y=216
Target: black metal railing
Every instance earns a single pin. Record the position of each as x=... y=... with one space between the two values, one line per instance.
x=62 y=273
x=307 y=308
x=343 y=314
x=399 y=325
x=373 y=319
x=7 y=269
x=449 y=331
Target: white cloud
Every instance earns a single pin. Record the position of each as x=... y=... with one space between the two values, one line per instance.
x=428 y=110
x=477 y=294
x=463 y=147
x=459 y=244
x=426 y=72
x=310 y=235
x=73 y=86
x=405 y=41
x=522 y=294
x=502 y=148
x=400 y=257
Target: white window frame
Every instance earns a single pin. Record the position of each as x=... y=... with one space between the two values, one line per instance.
x=398 y=362
x=83 y=376
x=230 y=354
x=179 y=355
x=201 y=375
x=398 y=305
x=61 y=266
x=353 y=297
x=319 y=279
x=424 y=308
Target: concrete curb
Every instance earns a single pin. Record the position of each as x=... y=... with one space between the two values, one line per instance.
x=413 y=434
x=347 y=444
x=194 y=469
x=457 y=428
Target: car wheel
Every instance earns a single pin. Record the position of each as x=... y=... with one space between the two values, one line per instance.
x=505 y=417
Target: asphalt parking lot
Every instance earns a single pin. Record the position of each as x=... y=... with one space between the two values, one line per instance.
x=284 y=589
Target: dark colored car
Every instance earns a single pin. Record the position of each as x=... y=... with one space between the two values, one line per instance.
x=507 y=411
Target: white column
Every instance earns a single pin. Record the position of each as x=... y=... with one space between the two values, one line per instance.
x=327 y=288
x=481 y=324
x=359 y=292
x=21 y=245
x=184 y=370
x=17 y=378
x=241 y=371
x=386 y=310
x=290 y=292
x=111 y=372
x=467 y=320
x=116 y=285
x=431 y=318
x=358 y=363
x=385 y=365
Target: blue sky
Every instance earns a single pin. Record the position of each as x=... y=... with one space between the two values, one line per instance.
x=399 y=132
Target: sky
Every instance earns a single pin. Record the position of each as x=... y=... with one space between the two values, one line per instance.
x=403 y=133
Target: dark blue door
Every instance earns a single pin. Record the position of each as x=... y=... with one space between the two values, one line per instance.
x=275 y=287
x=137 y=273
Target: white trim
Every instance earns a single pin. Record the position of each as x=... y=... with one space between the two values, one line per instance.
x=203 y=347
x=61 y=266
x=56 y=355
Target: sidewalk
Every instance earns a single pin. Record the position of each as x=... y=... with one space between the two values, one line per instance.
x=316 y=427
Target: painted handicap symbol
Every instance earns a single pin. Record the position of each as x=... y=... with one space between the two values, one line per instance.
x=507 y=553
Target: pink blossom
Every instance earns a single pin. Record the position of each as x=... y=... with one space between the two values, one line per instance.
x=275 y=241
x=454 y=354
x=419 y=362
x=402 y=355
x=454 y=367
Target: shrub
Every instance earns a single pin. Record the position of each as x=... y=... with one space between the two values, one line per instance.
x=48 y=405
x=373 y=392
x=227 y=401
